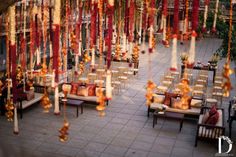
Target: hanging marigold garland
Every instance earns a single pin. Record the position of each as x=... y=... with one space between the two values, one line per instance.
x=150 y=84
x=227 y=86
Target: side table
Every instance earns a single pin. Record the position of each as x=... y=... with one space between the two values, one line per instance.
x=77 y=103
x=168 y=115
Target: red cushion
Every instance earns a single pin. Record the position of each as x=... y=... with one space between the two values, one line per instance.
x=168 y=96
x=91 y=89
x=212 y=110
x=213 y=119
x=74 y=87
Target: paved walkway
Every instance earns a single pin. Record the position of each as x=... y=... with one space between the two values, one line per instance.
x=124 y=131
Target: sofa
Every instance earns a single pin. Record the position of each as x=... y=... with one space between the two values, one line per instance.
x=91 y=99
x=193 y=112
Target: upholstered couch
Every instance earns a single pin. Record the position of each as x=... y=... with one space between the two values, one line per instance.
x=194 y=111
x=92 y=99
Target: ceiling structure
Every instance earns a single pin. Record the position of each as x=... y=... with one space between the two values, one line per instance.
x=5 y=4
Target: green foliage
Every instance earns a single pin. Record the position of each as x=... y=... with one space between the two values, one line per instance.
x=222 y=28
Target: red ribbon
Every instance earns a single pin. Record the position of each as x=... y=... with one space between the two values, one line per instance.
x=195 y=13
x=12 y=52
x=56 y=41
x=144 y=16
x=131 y=20
x=164 y=7
x=176 y=17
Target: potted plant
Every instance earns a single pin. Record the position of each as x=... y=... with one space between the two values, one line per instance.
x=214 y=59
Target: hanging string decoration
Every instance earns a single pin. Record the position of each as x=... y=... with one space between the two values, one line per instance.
x=206 y=3
x=135 y=55
x=215 y=17
x=63 y=137
x=45 y=102
x=175 y=35
x=227 y=86
x=100 y=11
x=195 y=14
x=101 y=101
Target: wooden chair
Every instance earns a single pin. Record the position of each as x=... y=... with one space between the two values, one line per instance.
x=208 y=132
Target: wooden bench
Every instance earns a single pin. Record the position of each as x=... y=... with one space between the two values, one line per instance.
x=25 y=104
x=208 y=132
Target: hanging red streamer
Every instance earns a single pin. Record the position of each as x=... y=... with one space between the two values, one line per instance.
x=164 y=7
x=131 y=20
x=93 y=24
x=151 y=12
x=195 y=13
x=144 y=16
x=56 y=39
x=176 y=17
x=12 y=51
x=126 y=30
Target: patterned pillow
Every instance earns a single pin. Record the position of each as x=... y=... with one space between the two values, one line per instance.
x=212 y=110
x=91 y=89
x=213 y=119
x=74 y=87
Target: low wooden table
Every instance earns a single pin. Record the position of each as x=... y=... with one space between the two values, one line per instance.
x=207 y=68
x=76 y=103
x=168 y=115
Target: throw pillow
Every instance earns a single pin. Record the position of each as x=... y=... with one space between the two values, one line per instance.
x=176 y=103
x=168 y=96
x=213 y=119
x=91 y=89
x=212 y=110
x=74 y=87
x=82 y=91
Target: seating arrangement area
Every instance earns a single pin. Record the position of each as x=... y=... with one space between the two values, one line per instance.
x=117 y=78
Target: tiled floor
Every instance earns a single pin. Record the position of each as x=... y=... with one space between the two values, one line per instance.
x=125 y=131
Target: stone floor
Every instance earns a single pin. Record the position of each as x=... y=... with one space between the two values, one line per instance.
x=125 y=131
